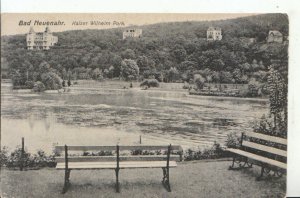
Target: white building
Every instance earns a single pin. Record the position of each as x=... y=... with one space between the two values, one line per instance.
x=214 y=33
x=40 y=40
x=133 y=33
x=274 y=36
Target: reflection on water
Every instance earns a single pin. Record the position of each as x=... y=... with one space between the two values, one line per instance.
x=100 y=115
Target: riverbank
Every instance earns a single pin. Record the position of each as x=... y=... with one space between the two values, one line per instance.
x=190 y=179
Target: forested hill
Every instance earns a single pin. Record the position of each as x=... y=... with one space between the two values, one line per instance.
x=172 y=51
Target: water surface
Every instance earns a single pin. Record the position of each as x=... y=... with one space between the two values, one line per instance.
x=101 y=114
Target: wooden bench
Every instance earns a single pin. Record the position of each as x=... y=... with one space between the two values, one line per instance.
x=164 y=157
x=266 y=151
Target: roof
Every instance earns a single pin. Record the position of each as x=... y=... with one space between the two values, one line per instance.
x=275 y=33
x=214 y=28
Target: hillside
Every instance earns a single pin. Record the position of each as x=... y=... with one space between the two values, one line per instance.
x=172 y=51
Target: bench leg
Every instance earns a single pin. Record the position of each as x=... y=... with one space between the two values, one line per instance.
x=232 y=165
x=67 y=181
x=267 y=170
x=166 y=179
x=117 y=180
x=242 y=162
x=261 y=174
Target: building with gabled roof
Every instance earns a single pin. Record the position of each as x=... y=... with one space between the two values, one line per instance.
x=274 y=36
x=214 y=33
x=40 y=40
x=132 y=33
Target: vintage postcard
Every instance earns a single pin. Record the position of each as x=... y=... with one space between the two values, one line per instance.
x=144 y=105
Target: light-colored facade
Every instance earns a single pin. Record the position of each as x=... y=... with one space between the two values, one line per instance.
x=133 y=33
x=274 y=36
x=214 y=34
x=40 y=40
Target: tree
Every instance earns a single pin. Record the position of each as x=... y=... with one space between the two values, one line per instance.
x=179 y=53
x=128 y=54
x=173 y=74
x=237 y=75
x=97 y=74
x=44 y=67
x=111 y=71
x=145 y=63
x=199 y=81
x=217 y=65
x=51 y=81
x=129 y=69
x=253 y=87
x=277 y=88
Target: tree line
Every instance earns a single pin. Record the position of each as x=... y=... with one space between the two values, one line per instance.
x=169 y=52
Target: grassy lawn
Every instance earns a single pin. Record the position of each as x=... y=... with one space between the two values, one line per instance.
x=189 y=179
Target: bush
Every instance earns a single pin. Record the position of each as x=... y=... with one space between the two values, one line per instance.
x=266 y=126
x=3 y=156
x=100 y=153
x=39 y=87
x=14 y=159
x=51 y=81
x=42 y=160
x=29 y=84
x=253 y=88
x=214 y=152
x=199 y=81
x=233 y=141
x=150 y=83
x=186 y=85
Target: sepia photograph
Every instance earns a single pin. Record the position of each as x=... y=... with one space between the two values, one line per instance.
x=144 y=104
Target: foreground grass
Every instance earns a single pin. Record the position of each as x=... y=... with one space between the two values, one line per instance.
x=189 y=179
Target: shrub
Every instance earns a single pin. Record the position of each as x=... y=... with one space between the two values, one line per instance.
x=3 y=156
x=100 y=153
x=212 y=153
x=39 y=87
x=186 y=85
x=15 y=159
x=266 y=126
x=150 y=83
x=233 y=140
x=199 y=81
x=51 y=81
x=42 y=160
x=253 y=87
x=29 y=84
x=129 y=69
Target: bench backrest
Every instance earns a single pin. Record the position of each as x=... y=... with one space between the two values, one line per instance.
x=270 y=146
x=136 y=153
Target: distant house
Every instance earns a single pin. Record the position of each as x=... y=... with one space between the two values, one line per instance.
x=40 y=40
x=214 y=33
x=133 y=33
x=274 y=36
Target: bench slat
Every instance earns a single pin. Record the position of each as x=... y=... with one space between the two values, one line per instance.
x=113 y=148
x=265 y=148
x=258 y=158
x=122 y=158
x=267 y=137
x=113 y=165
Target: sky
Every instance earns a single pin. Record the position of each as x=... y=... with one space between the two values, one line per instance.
x=12 y=24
